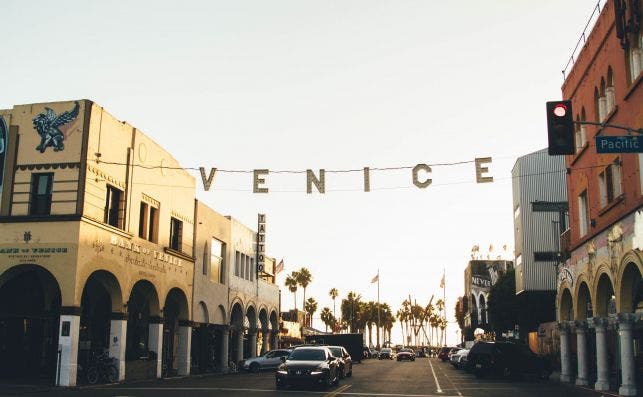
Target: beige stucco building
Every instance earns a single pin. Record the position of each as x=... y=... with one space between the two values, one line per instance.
x=97 y=235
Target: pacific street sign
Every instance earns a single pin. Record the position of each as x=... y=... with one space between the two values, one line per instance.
x=619 y=144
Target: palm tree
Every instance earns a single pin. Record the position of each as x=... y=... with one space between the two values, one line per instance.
x=350 y=310
x=303 y=279
x=440 y=305
x=369 y=308
x=327 y=318
x=443 y=326
x=291 y=283
x=333 y=294
x=310 y=307
x=401 y=315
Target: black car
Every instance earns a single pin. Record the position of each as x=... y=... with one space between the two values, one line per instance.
x=308 y=365
x=385 y=353
x=345 y=360
x=506 y=359
x=443 y=353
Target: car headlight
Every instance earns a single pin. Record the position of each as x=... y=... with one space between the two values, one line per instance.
x=282 y=370
x=317 y=371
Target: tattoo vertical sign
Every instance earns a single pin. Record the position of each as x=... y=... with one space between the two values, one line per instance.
x=4 y=137
x=261 y=242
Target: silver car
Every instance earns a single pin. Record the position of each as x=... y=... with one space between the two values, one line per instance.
x=268 y=360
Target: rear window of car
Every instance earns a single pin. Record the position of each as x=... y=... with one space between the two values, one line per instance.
x=336 y=351
x=307 y=355
x=482 y=347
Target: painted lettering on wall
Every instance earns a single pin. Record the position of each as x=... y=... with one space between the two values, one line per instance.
x=157 y=255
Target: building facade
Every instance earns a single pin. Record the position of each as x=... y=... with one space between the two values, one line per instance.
x=479 y=276
x=539 y=192
x=97 y=248
x=599 y=292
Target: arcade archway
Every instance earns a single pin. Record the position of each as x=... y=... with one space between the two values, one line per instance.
x=30 y=301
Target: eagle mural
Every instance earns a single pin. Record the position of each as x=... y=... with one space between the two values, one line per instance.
x=47 y=123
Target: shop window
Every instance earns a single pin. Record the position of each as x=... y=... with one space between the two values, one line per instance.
x=176 y=234
x=217 y=253
x=41 y=187
x=148 y=222
x=114 y=207
x=583 y=214
x=610 y=183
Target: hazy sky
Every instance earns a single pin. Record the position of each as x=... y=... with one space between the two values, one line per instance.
x=292 y=85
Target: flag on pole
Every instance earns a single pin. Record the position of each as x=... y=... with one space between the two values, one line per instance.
x=279 y=267
x=442 y=282
x=376 y=278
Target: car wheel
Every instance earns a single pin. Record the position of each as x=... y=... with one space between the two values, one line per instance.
x=279 y=385
x=254 y=367
x=341 y=370
x=336 y=382
x=350 y=373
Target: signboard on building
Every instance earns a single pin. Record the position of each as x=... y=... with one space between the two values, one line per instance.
x=619 y=144
x=261 y=242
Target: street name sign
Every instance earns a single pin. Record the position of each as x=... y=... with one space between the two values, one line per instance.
x=619 y=144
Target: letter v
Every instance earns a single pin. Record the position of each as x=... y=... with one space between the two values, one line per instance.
x=207 y=182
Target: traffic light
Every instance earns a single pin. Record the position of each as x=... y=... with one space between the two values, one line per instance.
x=560 y=127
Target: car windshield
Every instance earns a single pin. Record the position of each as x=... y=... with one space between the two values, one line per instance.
x=406 y=350
x=386 y=350
x=307 y=355
x=336 y=351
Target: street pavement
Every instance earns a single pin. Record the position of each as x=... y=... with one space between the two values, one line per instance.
x=387 y=378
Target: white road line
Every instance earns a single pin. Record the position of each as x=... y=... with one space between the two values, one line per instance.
x=436 y=378
x=343 y=392
x=450 y=381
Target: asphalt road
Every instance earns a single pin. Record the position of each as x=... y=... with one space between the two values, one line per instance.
x=386 y=378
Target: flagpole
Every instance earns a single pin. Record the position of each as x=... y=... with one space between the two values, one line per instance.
x=378 y=305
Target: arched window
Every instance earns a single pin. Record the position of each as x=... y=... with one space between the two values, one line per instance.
x=610 y=95
x=597 y=108
x=635 y=57
x=602 y=102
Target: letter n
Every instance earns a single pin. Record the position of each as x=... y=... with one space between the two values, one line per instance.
x=320 y=183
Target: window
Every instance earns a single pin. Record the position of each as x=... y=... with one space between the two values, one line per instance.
x=610 y=183
x=176 y=234
x=148 y=222
x=114 y=207
x=517 y=212
x=217 y=252
x=41 y=185
x=610 y=95
x=237 y=264
x=580 y=134
x=583 y=215
x=635 y=57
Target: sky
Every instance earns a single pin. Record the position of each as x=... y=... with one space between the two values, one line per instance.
x=335 y=85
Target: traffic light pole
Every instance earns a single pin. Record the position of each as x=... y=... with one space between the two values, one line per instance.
x=604 y=125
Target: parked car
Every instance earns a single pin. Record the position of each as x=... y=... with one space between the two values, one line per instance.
x=385 y=353
x=443 y=353
x=374 y=353
x=268 y=360
x=405 y=354
x=459 y=359
x=421 y=353
x=346 y=363
x=308 y=365
x=506 y=359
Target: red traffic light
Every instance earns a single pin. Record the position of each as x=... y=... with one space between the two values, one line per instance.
x=560 y=110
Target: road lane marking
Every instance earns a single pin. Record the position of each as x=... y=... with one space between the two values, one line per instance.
x=436 y=378
x=338 y=391
x=450 y=381
x=343 y=392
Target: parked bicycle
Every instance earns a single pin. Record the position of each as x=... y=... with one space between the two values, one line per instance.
x=99 y=368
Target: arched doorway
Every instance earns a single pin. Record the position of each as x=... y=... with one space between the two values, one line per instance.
x=205 y=339
x=263 y=336
x=274 y=327
x=584 y=308
x=175 y=318
x=474 y=313
x=566 y=310
x=235 y=346
x=143 y=323
x=631 y=301
x=30 y=301
x=250 y=334
x=100 y=298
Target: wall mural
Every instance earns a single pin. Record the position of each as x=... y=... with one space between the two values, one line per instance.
x=47 y=123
